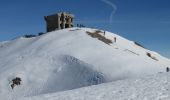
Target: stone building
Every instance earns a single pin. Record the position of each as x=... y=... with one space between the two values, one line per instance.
x=59 y=21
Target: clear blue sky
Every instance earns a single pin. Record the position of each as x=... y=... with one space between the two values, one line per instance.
x=144 y=21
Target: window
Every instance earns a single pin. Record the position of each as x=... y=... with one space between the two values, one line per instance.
x=66 y=25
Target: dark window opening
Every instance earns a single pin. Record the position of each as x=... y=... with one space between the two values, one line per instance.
x=66 y=25
x=67 y=20
x=61 y=26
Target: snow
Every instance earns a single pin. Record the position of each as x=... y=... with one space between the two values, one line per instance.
x=69 y=59
x=154 y=87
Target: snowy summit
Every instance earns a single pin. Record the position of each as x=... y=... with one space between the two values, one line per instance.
x=81 y=64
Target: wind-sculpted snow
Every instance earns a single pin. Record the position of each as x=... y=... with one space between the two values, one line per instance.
x=72 y=74
x=154 y=87
x=68 y=73
x=69 y=59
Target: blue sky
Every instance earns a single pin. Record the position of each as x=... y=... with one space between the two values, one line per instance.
x=144 y=21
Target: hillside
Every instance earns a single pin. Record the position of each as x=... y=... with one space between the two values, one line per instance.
x=154 y=87
x=72 y=58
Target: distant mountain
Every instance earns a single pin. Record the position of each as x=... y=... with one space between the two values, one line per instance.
x=69 y=59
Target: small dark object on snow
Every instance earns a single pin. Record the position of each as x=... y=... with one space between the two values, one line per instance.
x=29 y=36
x=16 y=81
x=115 y=39
x=148 y=54
x=167 y=69
x=138 y=44
x=41 y=33
x=104 y=33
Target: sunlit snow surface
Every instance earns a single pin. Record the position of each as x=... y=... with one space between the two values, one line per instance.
x=156 y=87
x=69 y=59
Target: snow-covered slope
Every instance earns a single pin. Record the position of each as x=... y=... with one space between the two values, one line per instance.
x=155 y=87
x=69 y=59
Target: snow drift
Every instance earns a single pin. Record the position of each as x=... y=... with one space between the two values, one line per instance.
x=72 y=58
x=154 y=87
